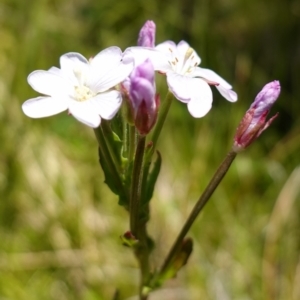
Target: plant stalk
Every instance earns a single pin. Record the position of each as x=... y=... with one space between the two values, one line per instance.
x=213 y=184
x=136 y=186
x=163 y=112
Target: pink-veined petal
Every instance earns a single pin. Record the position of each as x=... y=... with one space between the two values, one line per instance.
x=159 y=60
x=107 y=104
x=201 y=98
x=228 y=94
x=85 y=113
x=41 y=107
x=49 y=83
x=210 y=76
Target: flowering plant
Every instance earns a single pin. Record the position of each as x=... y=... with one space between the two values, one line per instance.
x=123 y=83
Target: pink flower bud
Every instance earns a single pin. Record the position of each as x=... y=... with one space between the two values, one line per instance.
x=254 y=122
x=147 y=35
x=140 y=89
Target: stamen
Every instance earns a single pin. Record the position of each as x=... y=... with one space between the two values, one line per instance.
x=83 y=93
x=188 y=54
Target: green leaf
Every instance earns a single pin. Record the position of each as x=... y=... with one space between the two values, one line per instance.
x=114 y=142
x=112 y=182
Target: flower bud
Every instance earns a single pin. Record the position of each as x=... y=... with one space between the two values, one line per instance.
x=147 y=35
x=254 y=122
x=140 y=90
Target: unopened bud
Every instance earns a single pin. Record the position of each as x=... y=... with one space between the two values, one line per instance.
x=254 y=122
x=140 y=89
x=147 y=35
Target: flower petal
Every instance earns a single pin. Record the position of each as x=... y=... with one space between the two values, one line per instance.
x=85 y=113
x=44 y=107
x=211 y=76
x=193 y=91
x=108 y=69
x=71 y=59
x=183 y=48
x=158 y=59
x=107 y=104
x=223 y=86
x=228 y=94
x=201 y=98
x=105 y=60
x=167 y=47
x=49 y=83
x=72 y=64
x=179 y=85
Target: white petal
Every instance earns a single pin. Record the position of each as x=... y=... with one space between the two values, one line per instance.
x=73 y=63
x=56 y=71
x=159 y=60
x=49 y=83
x=211 y=76
x=182 y=48
x=179 y=85
x=228 y=94
x=85 y=113
x=69 y=60
x=167 y=47
x=201 y=98
x=44 y=107
x=106 y=60
x=107 y=104
x=114 y=73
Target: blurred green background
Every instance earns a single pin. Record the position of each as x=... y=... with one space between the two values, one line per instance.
x=60 y=225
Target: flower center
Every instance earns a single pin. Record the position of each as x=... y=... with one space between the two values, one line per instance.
x=83 y=93
x=186 y=64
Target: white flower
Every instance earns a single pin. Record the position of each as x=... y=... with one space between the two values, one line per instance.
x=188 y=82
x=85 y=88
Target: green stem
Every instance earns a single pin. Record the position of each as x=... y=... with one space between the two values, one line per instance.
x=142 y=253
x=136 y=186
x=132 y=142
x=108 y=160
x=163 y=112
x=138 y=224
x=215 y=181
